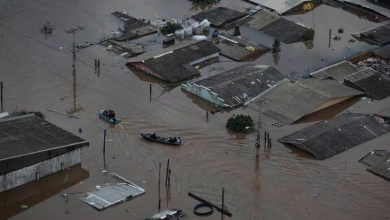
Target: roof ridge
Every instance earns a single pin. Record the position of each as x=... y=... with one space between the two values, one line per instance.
x=16 y=117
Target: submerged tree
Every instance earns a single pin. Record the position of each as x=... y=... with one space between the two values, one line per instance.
x=240 y=124
x=25 y=112
x=47 y=30
x=276 y=49
x=170 y=28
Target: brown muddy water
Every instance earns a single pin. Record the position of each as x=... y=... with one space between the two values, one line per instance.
x=37 y=76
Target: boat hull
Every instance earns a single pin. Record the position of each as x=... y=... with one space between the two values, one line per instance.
x=111 y=121
x=148 y=138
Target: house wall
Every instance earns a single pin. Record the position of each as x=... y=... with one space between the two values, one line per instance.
x=143 y=67
x=204 y=93
x=39 y=170
x=330 y=102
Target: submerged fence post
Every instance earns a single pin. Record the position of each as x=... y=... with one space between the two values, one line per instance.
x=159 y=188
x=150 y=92
x=166 y=177
x=223 y=202
x=104 y=142
x=330 y=37
x=2 y=107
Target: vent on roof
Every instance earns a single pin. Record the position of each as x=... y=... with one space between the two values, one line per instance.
x=47 y=125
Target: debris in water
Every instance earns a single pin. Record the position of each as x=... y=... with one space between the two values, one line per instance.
x=24 y=206
x=315 y=194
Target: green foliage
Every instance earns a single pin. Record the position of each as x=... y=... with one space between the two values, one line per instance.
x=309 y=35
x=240 y=124
x=205 y=1
x=24 y=112
x=276 y=46
x=170 y=28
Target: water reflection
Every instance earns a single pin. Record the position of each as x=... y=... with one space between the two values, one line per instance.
x=197 y=6
x=30 y=194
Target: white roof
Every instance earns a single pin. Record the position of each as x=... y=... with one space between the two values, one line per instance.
x=280 y=6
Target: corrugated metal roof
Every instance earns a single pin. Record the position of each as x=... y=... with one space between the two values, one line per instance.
x=235 y=48
x=379 y=34
x=337 y=71
x=373 y=157
x=280 y=6
x=25 y=135
x=289 y=101
x=332 y=137
x=219 y=16
x=382 y=167
x=262 y=19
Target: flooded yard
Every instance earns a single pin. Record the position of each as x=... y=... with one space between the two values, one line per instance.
x=290 y=184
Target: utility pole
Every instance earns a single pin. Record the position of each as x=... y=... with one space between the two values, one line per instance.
x=223 y=202
x=258 y=133
x=1 y=94
x=159 y=188
x=73 y=32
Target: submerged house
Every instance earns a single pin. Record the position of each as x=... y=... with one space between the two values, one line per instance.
x=290 y=101
x=364 y=79
x=379 y=34
x=240 y=49
x=378 y=162
x=278 y=27
x=176 y=63
x=341 y=133
x=31 y=148
x=219 y=16
x=237 y=86
x=283 y=6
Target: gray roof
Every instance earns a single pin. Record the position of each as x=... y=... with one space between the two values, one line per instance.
x=261 y=19
x=383 y=52
x=332 y=137
x=173 y=64
x=280 y=6
x=379 y=34
x=29 y=134
x=219 y=16
x=382 y=167
x=373 y=157
x=289 y=101
x=373 y=84
x=285 y=30
x=134 y=28
x=236 y=48
x=247 y=79
x=385 y=113
x=337 y=71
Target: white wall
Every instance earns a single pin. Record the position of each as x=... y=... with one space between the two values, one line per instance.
x=44 y=168
x=204 y=93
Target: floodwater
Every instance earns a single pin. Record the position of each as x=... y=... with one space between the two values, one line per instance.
x=281 y=185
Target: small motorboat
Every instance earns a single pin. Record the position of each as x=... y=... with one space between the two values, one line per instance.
x=155 y=138
x=109 y=115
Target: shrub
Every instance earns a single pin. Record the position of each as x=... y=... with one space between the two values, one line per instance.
x=170 y=28
x=309 y=35
x=240 y=124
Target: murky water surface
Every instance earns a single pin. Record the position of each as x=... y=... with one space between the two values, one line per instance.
x=37 y=75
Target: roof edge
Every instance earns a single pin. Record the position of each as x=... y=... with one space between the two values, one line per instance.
x=83 y=144
x=16 y=117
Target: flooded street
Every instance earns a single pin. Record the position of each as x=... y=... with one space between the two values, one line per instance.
x=37 y=75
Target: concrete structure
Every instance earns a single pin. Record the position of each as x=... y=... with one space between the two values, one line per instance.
x=278 y=27
x=237 y=86
x=289 y=101
x=332 y=137
x=175 y=63
x=219 y=16
x=364 y=79
x=240 y=49
x=31 y=148
x=282 y=6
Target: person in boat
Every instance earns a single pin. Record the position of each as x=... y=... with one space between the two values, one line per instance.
x=173 y=140
x=111 y=114
x=153 y=136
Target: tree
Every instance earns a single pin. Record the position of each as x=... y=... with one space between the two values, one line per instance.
x=240 y=124
x=170 y=28
x=276 y=46
x=24 y=112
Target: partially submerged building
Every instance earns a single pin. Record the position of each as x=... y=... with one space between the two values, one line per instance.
x=175 y=63
x=237 y=86
x=332 y=137
x=283 y=6
x=290 y=101
x=278 y=27
x=133 y=28
x=31 y=148
x=220 y=16
x=378 y=162
x=377 y=35
x=364 y=79
x=240 y=49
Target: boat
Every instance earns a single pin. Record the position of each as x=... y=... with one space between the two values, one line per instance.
x=109 y=116
x=162 y=140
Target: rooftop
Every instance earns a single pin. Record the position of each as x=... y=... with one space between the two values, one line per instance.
x=279 y=6
x=219 y=16
x=29 y=134
x=134 y=28
x=378 y=34
x=174 y=63
x=289 y=101
x=372 y=83
x=236 y=48
x=241 y=84
x=382 y=167
x=385 y=113
x=332 y=137
x=373 y=157
x=383 y=52
x=271 y=24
